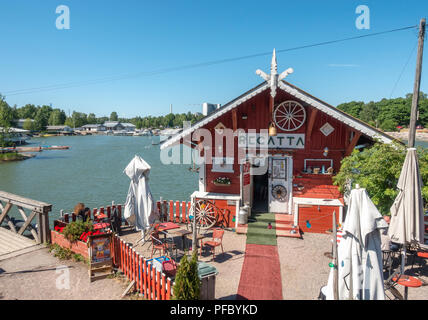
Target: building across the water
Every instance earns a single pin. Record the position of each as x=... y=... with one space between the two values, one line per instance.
x=59 y=130
x=94 y=128
x=286 y=146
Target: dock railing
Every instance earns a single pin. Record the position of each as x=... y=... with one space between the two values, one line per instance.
x=37 y=209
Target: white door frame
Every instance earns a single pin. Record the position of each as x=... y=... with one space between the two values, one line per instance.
x=287 y=183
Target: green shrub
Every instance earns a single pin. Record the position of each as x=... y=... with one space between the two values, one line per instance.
x=187 y=283
x=377 y=169
x=74 y=229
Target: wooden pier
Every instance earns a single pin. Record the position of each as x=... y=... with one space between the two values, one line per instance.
x=12 y=240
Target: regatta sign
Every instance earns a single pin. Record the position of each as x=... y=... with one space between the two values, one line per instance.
x=263 y=141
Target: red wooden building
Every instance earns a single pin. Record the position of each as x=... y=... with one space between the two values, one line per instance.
x=307 y=140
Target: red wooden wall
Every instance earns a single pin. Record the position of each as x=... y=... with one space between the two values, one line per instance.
x=258 y=117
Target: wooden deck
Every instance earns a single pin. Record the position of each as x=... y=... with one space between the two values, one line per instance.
x=13 y=243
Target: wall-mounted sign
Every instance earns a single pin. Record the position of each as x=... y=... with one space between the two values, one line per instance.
x=280 y=141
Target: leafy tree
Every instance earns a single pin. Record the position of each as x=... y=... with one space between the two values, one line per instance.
x=389 y=125
x=92 y=119
x=187 y=283
x=377 y=169
x=6 y=114
x=57 y=117
x=27 y=112
x=114 y=116
x=29 y=125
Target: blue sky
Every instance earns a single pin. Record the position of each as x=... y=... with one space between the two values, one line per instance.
x=113 y=38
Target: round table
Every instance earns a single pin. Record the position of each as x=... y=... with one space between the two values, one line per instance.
x=407 y=282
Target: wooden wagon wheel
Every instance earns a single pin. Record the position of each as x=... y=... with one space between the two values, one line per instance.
x=289 y=116
x=205 y=214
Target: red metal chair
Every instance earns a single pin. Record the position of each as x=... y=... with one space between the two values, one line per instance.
x=165 y=246
x=216 y=241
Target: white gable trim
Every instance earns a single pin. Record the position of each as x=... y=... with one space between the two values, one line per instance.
x=331 y=111
x=335 y=113
x=215 y=115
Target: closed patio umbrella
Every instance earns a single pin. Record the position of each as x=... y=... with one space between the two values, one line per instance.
x=407 y=211
x=139 y=203
x=360 y=275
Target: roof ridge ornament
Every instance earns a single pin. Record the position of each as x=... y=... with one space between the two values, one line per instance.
x=273 y=78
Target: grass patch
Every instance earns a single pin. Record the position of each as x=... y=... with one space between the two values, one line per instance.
x=65 y=254
x=11 y=156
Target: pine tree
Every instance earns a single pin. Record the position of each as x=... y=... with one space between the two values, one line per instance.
x=187 y=283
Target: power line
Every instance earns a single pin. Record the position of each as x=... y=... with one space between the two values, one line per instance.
x=190 y=66
x=402 y=71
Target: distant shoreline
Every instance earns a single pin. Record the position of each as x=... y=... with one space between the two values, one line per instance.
x=420 y=136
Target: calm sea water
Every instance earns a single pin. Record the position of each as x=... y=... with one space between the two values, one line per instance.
x=91 y=171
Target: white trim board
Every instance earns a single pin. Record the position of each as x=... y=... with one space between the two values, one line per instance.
x=352 y=122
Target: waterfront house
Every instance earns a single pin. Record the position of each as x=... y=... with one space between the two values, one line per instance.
x=59 y=129
x=113 y=125
x=288 y=171
x=129 y=127
x=20 y=123
x=16 y=135
x=93 y=128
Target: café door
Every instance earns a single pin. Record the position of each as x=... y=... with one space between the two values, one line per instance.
x=280 y=183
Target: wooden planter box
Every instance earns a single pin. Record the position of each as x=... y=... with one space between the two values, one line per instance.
x=78 y=246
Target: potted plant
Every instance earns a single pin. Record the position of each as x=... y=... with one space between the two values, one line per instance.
x=69 y=237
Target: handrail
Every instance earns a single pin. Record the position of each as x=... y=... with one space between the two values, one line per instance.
x=37 y=208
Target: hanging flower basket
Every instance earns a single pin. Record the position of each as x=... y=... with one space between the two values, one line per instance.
x=222 y=181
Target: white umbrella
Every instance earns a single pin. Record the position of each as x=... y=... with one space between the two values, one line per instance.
x=360 y=275
x=407 y=211
x=139 y=203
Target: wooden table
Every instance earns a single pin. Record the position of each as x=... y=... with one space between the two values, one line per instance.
x=407 y=282
x=168 y=226
x=182 y=233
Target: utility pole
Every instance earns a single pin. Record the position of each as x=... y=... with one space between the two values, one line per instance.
x=417 y=85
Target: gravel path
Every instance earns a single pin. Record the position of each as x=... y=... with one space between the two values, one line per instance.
x=41 y=276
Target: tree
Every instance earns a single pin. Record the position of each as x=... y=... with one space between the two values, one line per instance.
x=377 y=169
x=6 y=114
x=29 y=125
x=27 y=112
x=114 y=116
x=57 y=117
x=92 y=119
x=187 y=283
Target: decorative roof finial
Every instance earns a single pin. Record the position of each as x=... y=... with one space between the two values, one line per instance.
x=273 y=78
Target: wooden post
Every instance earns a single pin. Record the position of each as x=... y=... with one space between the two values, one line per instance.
x=335 y=269
x=171 y=211
x=163 y=293
x=183 y=211
x=417 y=84
x=168 y=292
x=177 y=211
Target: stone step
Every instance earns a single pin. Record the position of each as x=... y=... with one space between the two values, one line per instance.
x=287 y=233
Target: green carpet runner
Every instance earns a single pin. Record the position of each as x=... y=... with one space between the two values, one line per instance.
x=258 y=232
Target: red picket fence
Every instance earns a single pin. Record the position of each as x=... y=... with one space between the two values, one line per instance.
x=151 y=283
x=108 y=210
x=175 y=211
